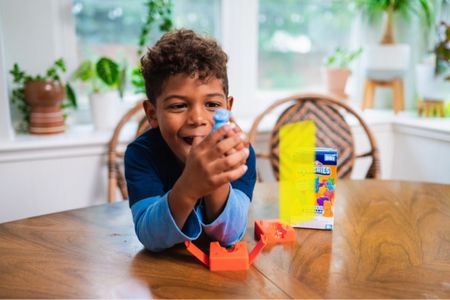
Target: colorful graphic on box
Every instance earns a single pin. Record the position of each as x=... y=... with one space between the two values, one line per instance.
x=324 y=189
x=325 y=182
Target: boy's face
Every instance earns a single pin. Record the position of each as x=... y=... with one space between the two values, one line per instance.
x=184 y=111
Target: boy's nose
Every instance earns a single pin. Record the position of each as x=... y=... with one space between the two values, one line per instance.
x=197 y=117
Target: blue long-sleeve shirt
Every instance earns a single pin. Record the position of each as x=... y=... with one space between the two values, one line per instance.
x=151 y=170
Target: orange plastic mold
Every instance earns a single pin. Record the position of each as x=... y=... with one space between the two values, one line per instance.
x=274 y=231
x=237 y=257
x=227 y=259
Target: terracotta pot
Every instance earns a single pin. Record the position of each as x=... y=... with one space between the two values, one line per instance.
x=336 y=80
x=44 y=93
x=45 y=99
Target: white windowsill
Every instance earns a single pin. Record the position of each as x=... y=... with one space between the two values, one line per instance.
x=79 y=138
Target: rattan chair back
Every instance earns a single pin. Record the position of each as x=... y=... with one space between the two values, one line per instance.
x=332 y=131
x=116 y=178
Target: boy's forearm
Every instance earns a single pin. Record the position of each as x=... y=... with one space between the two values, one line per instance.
x=155 y=226
x=181 y=203
x=216 y=201
x=229 y=226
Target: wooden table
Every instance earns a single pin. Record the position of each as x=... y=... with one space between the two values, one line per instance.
x=391 y=240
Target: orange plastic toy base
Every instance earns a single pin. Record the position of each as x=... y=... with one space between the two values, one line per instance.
x=231 y=259
x=274 y=231
x=237 y=257
x=227 y=259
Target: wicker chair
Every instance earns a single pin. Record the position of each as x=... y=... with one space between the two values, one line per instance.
x=116 y=178
x=331 y=131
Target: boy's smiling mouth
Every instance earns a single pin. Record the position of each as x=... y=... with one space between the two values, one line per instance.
x=190 y=139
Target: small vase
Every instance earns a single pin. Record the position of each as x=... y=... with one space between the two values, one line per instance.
x=45 y=97
x=336 y=80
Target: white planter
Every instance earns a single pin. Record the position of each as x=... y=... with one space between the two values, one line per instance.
x=386 y=62
x=105 y=108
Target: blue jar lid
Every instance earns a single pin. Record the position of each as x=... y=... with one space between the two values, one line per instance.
x=221 y=116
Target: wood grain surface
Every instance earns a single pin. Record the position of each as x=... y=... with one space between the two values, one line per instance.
x=391 y=240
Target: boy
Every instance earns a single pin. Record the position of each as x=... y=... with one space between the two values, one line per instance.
x=183 y=178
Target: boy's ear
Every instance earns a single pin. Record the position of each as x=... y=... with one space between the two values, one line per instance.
x=150 y=112
x=230 y=102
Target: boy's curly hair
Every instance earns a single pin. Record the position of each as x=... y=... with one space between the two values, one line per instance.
x=182 y=52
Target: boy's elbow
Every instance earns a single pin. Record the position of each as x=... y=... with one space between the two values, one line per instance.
x=146 y=239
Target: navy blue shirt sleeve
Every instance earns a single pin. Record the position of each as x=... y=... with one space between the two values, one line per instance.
x=141 y=174
x=246 y=183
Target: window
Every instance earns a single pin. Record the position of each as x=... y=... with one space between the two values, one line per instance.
x=112 y=28
x=294 y=38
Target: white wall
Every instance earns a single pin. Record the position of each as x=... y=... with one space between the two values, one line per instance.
x=37 y=32
x=51 y=184
x=421 y=155
x=240 y=41
x=6 y=131
x=45 y=174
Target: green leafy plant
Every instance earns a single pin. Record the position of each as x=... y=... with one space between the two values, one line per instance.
x=373 y=9
x=20 y=78
x=157 y=10
x=104 y=74
x=341 y=58
x=442 y=50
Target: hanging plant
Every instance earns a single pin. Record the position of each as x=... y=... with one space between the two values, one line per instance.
x=157 y=10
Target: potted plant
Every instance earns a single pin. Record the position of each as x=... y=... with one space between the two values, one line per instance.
x=442 y=51
x=107 y=83
x=389 y=61
x=433 y=75
x=337 y=70
x=372 y=9
x=41 y=99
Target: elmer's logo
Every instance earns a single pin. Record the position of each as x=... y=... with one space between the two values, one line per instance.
x=330 y=157
x=322 y=170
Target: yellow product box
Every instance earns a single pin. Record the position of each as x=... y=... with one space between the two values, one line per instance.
x=322 y=216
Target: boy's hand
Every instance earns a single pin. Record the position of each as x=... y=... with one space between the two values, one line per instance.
x=219 y=159
x=245 y=141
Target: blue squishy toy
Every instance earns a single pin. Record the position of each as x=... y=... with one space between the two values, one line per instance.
x=221 y=117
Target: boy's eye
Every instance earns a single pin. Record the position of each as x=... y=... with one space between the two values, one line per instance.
x=213 y=105
x=178 y=106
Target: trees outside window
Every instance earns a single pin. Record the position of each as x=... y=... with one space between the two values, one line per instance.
x=294 y=38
